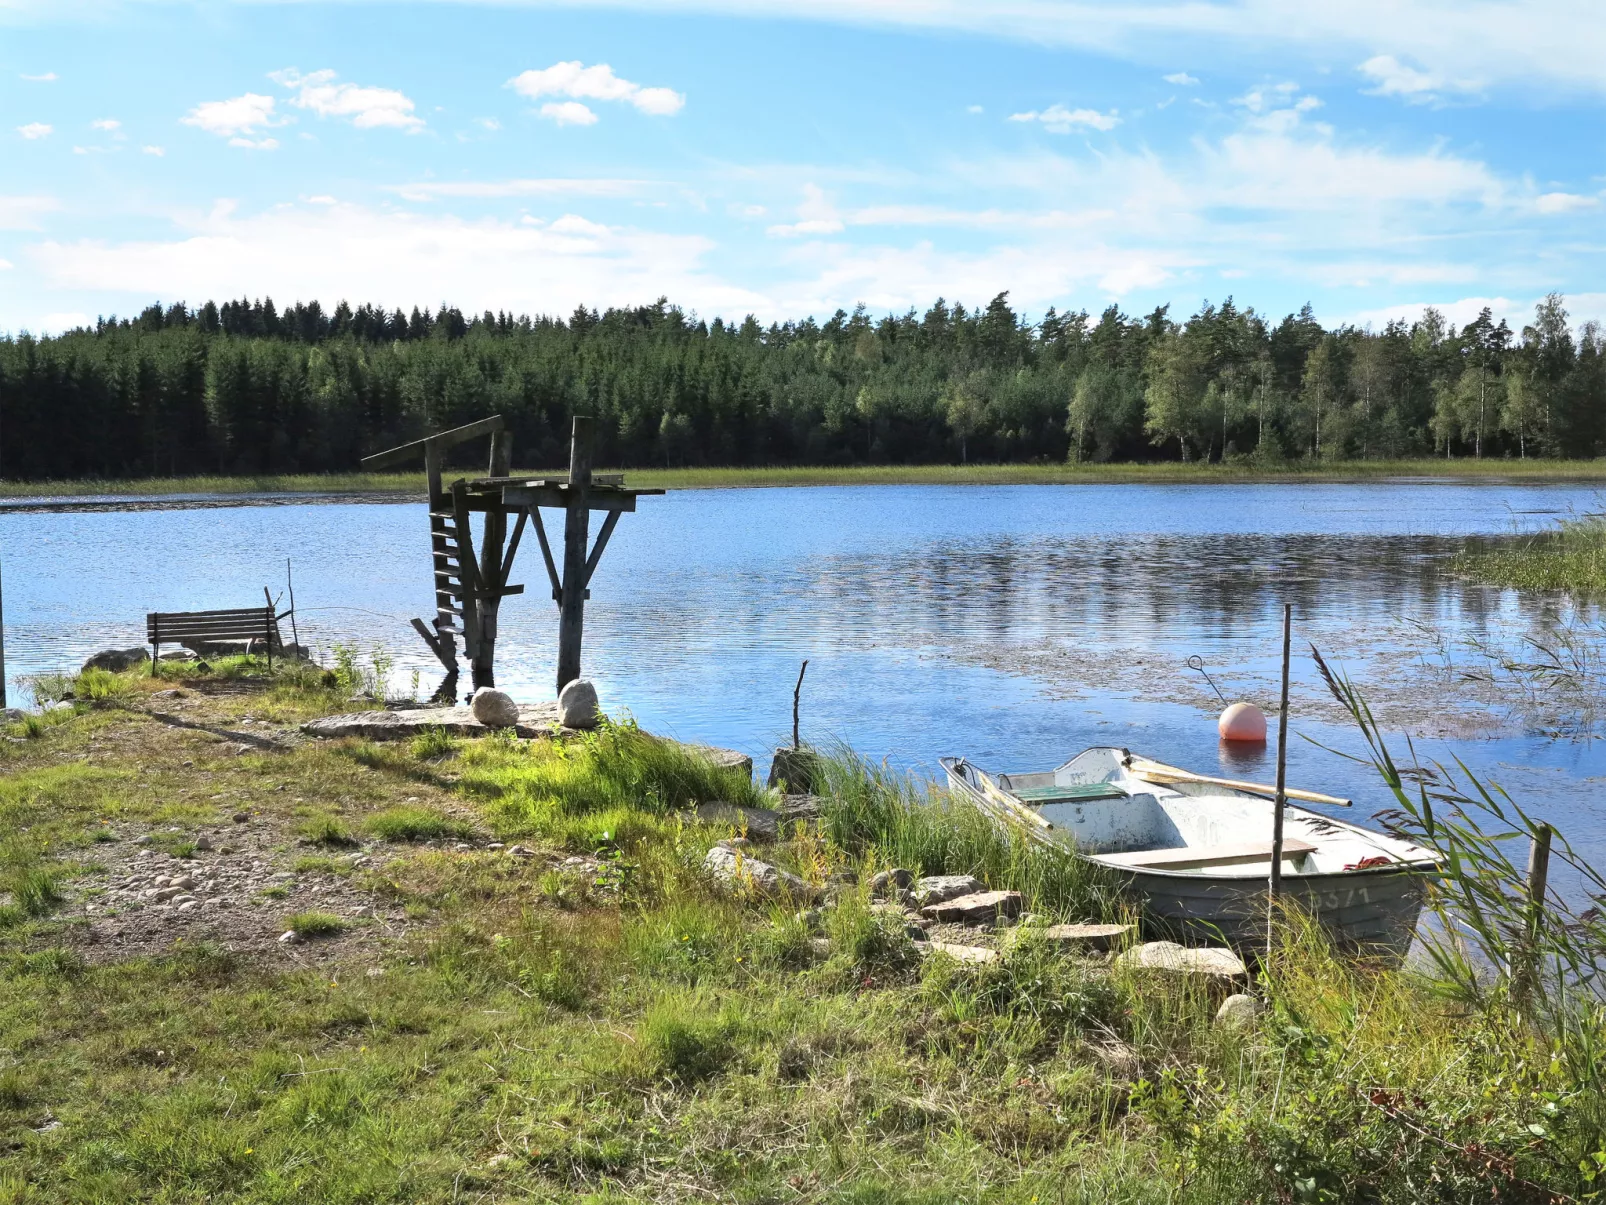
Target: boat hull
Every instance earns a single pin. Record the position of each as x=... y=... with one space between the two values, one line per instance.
x=1372 y=911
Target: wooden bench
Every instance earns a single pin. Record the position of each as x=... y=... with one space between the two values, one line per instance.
x=248 y=624
x=1196 y=856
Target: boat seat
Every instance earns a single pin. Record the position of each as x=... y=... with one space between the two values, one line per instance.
x=1191 y=856
x=1083 y=792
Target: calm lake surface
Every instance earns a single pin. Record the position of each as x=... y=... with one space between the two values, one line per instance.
x=936 y=619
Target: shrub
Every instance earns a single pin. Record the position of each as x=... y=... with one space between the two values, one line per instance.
x=103 y=688
x=324 y=829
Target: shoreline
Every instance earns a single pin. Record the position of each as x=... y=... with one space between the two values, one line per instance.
x=1164 y=473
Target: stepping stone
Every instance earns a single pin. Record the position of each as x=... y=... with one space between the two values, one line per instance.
x=1094 y=937
x=978 y=955
x=978 y=908
x=732 y=869
x=934 y=889
x=761 y=824
x=1212 y=962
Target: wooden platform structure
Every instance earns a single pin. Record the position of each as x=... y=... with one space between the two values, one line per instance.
x=470 y=583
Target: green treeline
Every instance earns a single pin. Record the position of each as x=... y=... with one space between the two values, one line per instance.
x=245 y=388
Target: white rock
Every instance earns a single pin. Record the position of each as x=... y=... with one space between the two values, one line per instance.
x=1238 y=1011
x=577 y=705
x=1214 y=961
x=980 y=955
x=289 y=938
x=495 y=708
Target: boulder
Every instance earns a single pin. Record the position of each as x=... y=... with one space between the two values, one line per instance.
x=978 y=908
x=118 y=660
x=734 y=870
x=495 y=708
x=891 y=881
x=577 y=705
x=794 y=770
x=721 y=759
x=1238 y=1010
x=1093 y=937
x=799 y=807
x=760 y=824
x=1212 y=962
x=934 y=889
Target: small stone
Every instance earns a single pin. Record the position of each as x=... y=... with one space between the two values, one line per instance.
x=1237 y=1011
x=203 y=843
x=821 y=946
x=462 y=845
x=732 y=869
x=495 y=708
x=1215 y=962
x=934 y=889
x=117 y=660
x=188 y=905
x=182 y=900
x=577 y=705
x=143 y=840
x=1094 y=937
x=979 y=955
x=978 y=908
x=241 y=817
x=733 y=843
x=794 y=770
x=496 y=847
x=916 y=932
x=167 y=893
x=894 y=880
x=364 y=911
x=184 y=881
x=520 y=851
x=289 y=938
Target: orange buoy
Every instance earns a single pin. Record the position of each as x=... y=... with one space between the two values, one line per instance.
x=1243 y=722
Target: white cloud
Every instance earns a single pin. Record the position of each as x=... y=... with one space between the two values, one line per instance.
x=322 y=199
x=23 y=213
x=489 y=123
x=816 y=215
x=1057 y=119
x=108 y=124
x=48 y=77
x=401 y=259
x=153 y=150
x=746 y=211
x=431 y=190
x=568 y=113
x=237 y=119
x=368 y=108
x=974 y=109
x=1180 y=78
x=579 y=82
x=1390 y=77
x=35 y=130
x=6 y=265
x=1564 y=202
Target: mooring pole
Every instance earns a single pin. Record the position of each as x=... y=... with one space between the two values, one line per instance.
x=2 y=653
x=491 y=577
x=1275 y=886
x=576 y=535
x=1526 y=973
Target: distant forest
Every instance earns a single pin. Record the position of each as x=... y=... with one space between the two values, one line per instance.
x=246 y=388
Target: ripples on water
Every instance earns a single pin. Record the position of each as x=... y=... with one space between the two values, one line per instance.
x=918 y=606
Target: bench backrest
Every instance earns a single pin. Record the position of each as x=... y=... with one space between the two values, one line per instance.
x=180 y=627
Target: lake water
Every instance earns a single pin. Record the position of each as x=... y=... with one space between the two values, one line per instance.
x=1015 y=625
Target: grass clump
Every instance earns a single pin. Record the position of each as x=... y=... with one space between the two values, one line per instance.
x=687 y=1039
x=413 y=823
x=1570 y=556
x=316 y=924
x=434 y=744
x=326 y=829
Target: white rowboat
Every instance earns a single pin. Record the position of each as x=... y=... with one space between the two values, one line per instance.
x=1195 y=852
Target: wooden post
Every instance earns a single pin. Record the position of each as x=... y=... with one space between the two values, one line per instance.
x=1526 y=973
x=797 y=697
x=492 y=579
x=576 y=534
x=1275 y=885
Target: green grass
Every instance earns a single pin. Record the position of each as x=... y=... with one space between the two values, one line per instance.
x=1571 y=556
x=940 y=474
x=316 y=924
x=652 y=1039
x=409 y=823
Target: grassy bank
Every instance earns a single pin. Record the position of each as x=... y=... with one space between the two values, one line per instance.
x=589 y=1019
x=1571 y=556
x=735 y=478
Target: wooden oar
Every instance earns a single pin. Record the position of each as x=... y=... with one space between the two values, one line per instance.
x=1162 y=774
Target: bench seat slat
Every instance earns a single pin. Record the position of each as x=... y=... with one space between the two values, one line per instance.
x=1207 y=855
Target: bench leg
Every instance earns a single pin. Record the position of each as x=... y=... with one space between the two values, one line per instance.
x=154 y=649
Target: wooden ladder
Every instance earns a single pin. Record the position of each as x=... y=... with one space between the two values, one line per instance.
x=453 y=595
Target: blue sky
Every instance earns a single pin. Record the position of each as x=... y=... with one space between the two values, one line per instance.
x=785 y=160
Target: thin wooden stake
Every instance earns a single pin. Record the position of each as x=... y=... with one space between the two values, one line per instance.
x=797 y=696
x=289 y=584
x=1526 y=972
x=1275 y=886
x=576 y=523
